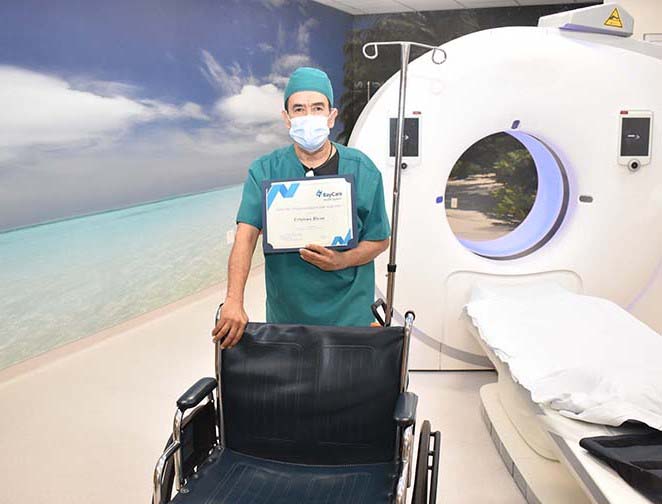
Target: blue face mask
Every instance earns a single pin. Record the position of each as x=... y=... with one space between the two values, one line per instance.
x=310 y=131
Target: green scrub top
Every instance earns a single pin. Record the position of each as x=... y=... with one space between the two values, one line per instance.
x=297 y=291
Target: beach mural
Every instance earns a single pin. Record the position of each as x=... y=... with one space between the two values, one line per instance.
x=125 y=130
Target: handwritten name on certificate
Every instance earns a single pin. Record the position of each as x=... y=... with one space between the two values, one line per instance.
x=312 y=210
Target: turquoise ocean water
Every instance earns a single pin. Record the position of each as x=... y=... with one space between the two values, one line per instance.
x=63 y=281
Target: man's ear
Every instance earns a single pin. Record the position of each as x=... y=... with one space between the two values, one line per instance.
x=332 y=118
x=286 y=119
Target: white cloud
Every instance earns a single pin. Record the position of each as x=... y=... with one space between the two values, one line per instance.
x=40 y=109
x=287 y=63
x=75 y=136
x=269 y=138
x=274 y=3
x=281 y=37
x=284 y=65
x=46 y=111
x=303 y=33
x=159 y=110
x=193 y=110
x=264 y=47
x=227 y=81
x=247 y=100
x=253 y=105
x=277 y=80
x=104 y=88
x=230 y=142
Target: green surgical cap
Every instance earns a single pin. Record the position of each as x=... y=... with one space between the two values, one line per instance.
x=309 y=79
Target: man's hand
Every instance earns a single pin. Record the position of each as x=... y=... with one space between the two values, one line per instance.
x=324 y=258
x=230 y=327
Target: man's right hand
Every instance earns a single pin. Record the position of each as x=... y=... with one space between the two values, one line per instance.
x=230 y=327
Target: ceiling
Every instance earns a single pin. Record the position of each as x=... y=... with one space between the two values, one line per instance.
x=359 y=7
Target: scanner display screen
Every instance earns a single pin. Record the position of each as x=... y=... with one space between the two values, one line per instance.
x=410 y=145
x=635 y=136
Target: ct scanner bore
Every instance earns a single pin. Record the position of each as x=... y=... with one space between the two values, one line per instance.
x=545 y=216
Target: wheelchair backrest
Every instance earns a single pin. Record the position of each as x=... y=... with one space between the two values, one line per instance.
x=312 y=395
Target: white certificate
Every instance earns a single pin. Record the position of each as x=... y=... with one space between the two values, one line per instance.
x=311 y=210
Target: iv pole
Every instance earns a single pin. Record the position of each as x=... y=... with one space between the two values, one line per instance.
x=404 y=63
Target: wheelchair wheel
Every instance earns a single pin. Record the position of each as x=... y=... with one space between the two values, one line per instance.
x=425 y=488
x=169 y=475
x=421 y=479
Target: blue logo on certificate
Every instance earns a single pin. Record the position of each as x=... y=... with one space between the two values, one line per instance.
x=283 y=190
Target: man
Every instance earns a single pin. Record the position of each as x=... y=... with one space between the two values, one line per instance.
x=316 y=286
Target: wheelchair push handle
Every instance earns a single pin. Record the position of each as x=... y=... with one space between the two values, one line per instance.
x=380 y=303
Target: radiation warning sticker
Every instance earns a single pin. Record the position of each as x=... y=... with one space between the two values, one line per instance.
x=614 y=19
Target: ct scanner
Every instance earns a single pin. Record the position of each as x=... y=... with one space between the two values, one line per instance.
x=597 y=230
x=583 y=97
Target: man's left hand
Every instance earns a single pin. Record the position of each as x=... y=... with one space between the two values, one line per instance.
x=324 y=258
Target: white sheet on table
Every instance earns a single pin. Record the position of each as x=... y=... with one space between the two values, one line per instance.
x=581 y=355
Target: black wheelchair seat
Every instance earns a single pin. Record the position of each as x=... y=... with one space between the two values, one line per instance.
x=235 y=478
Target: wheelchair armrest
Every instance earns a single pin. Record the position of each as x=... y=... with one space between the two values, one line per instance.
x=196 y=393
x=405 y=409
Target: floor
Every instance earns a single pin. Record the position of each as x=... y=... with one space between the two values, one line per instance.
x=471 y=470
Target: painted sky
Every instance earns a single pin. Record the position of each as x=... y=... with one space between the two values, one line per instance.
x=108 y=104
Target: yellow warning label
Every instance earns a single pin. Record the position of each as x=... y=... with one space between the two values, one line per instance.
x=614 y=19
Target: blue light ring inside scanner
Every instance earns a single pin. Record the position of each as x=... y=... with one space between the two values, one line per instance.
x=546 y=215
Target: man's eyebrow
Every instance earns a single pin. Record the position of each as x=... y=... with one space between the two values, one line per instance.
x=316 y=104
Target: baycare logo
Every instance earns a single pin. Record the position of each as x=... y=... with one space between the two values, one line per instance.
x=327 y=195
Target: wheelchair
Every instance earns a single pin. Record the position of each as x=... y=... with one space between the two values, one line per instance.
x=304 y=415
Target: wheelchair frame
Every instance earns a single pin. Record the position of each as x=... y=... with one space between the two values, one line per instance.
x=170 y=464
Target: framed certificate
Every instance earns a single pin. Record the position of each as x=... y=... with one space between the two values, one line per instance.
x=311 y=210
